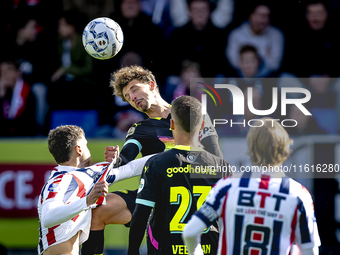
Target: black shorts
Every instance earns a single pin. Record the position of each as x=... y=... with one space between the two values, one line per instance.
x=129 y=197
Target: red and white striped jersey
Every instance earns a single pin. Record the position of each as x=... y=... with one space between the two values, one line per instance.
x=261 y=215
x=68 y=187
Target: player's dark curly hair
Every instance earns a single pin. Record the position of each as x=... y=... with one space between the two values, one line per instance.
x=62 y=140
x=187 y=112
x=123 y=76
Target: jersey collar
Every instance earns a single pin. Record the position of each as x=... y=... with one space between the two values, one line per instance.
x=66 y=168
x=187 y=148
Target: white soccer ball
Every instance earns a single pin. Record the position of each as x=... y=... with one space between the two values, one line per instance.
x=103 y=38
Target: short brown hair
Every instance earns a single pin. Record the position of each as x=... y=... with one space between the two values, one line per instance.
x=123 y=76
x=62 y=140
x=187 y=112
x=268 y=144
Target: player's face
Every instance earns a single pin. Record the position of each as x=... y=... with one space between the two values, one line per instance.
x=139 y=95
x=85 y=159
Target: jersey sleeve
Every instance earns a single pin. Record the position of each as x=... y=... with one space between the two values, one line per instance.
x=306 y=232
x=147 y=191
x=211 y=210
x=54 y=209
x=132 y=169
x=209 y=138
x=136 y=137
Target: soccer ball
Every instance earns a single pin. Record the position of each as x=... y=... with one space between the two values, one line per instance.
x=103 y=38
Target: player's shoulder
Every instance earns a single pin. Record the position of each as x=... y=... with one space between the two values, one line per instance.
x=212 y=157
x=162 y=157
x=140 y=128
x=298 y=190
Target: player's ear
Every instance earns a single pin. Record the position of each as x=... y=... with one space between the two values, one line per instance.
x=152 y=85
x=78 y=150
x=172 y=125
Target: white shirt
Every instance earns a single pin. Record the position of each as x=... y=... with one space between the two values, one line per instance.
x=258 y=212
x=62 y=206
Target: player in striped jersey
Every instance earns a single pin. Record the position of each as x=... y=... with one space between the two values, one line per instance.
x=260 y=212
x=73 y=189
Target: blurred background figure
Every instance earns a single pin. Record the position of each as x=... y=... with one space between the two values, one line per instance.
x=323 y=102
x=93 y=9
x=140 y=36
x=29 y=43
x=124 y=120
x=314 y=47
x=307 y=124
x=17 y=102
x=72 y=85
x=221 y=15
x=199 y=40
x=180 y=85
x=258 y=32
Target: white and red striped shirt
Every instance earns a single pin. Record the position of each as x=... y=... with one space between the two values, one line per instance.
x=62 y=206
x=66 y=186
x=260 y=215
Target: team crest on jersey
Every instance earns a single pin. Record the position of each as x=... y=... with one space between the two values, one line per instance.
x=54 y=187
x=191 y=158
x=130 y=131
x=141 y=185
x=89 y=172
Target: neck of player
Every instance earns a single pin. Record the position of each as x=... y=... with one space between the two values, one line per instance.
x=160 y=108
x=186 y=139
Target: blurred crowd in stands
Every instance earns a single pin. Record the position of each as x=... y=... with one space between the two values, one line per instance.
x=47 y=78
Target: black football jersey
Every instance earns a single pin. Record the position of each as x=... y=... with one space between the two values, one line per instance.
x=175 y=183
x=151 y=135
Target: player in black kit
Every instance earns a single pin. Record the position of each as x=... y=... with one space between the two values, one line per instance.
x=138 y=87
x=173 y=184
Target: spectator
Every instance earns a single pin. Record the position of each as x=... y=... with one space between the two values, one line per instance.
x=250 y=63
x=258 y=32
x=251 y=74
x=29 y=43
x=17 y=103
x=306 y=123
x=323 y=102
x=124 y=120
x=93 y=9
x=315 y=44
x=198 y=41
x=140 y=35
x=180 y=85
x=73 y=76
x=221 y=16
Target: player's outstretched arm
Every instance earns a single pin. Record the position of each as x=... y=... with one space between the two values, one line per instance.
x=129 y=152
x=192 y=235
x=137 y=227
x=132 y=169
x=55 y=211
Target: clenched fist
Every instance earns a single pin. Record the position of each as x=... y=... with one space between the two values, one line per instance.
x=99 y=189
x=111 y=153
